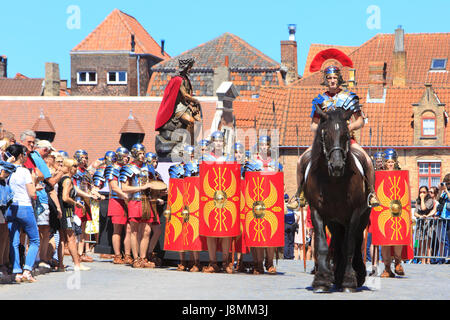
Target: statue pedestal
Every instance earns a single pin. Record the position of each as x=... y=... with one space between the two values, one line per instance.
x=105 y=231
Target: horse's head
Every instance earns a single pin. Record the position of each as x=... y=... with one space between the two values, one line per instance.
x=334 y=138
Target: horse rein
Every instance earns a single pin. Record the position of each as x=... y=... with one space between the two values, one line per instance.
x=328 y=153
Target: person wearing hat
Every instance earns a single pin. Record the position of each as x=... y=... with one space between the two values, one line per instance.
x=117 y=207
x=43 y=149
x=217 y=148
x=391 y=164
x=378 y=159
x=336 y=97
x=134 y=178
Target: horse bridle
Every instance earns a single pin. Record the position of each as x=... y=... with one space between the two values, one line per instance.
x=328 y=153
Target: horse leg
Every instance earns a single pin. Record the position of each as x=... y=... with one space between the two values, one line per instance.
x=323 y=277
x=358 y=264
x=337 y=232
x=349 y=282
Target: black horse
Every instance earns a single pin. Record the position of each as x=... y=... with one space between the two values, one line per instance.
x=336 y=192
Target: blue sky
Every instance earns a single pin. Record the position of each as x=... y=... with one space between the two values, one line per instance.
x=35 y=32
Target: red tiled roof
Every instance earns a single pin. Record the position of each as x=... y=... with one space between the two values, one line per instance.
x=245 y=112
x=249 y=68
x=114 y=33
x=43 y=124
x=420 y=49
x=293 y=107
x=21 y=87
x=91 y=123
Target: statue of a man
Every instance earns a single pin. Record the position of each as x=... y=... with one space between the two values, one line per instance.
x=178 y=110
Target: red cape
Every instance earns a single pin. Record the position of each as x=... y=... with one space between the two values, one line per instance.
x=166 y=108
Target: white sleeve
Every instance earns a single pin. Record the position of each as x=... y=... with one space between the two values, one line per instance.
x=26 y=176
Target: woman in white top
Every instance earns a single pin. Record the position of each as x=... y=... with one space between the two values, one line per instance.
x=20 y=215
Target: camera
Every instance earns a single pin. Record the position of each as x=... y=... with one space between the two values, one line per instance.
x=442 y=184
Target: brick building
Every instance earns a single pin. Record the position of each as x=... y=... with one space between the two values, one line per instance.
x=115 y=59
x=228 y=58
x=403 y=84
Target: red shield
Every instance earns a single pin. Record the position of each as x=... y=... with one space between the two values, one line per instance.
x=264 y=207
x=219 y=199
x=173 y=238
x=192 y=241
x=391 y=221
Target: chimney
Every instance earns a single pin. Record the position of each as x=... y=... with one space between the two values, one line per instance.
x=133 y=43
x=162 y=46
x=377 y=79
x=3 y=66
x=351 y=78
x=52 y=80
x=221 y=74
x=289 y=55
x=399 y=59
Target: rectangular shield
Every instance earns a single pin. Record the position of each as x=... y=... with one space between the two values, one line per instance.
x=192 y=241
x=219 y=199
x=173 y=238
x=391 y=221
x=264 y=209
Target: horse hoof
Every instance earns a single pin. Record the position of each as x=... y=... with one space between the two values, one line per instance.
x=348 y=290
x=321 y=289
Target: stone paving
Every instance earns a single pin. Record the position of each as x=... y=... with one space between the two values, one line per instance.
x=108 y=281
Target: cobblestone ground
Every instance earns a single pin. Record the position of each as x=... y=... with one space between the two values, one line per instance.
x=108 y=281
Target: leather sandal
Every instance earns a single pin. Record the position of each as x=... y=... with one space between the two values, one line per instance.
x=27 y=277
x=399 y=269
x=128 y=259
x=137 y=263
x=387 y=273
x=272 y=270
x=86 y=258
x=227 y=267
x=148 y=264
x=118 y=259
x=211 y=268
x=195 y=268
x=258 y=268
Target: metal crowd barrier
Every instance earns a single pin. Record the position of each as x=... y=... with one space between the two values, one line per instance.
x=431 y=238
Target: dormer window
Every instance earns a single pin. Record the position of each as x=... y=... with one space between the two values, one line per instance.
x=117 y=77
x=438 y=64
x=86 y=77
x=428 y=127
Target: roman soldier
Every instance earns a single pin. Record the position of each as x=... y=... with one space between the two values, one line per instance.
x=336 y=97
x=134 y=178
x=117 y=207
x=160 y=197
x=216 y=152
x=378 y=159
x=83 y=183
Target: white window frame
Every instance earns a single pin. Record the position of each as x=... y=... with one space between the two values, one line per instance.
x=87 y=77
x=441 y=68
x=117 y=77
x=426 y=130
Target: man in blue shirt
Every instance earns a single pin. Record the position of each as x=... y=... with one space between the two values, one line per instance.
x=42 y=150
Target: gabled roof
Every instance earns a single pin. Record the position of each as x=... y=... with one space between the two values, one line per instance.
x=211 y=54
x=420 y=49
x=114 y=34
x=21 y=86
x=389 y=122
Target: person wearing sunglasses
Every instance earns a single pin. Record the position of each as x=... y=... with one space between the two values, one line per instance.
x=424 y=209
x=20 y=215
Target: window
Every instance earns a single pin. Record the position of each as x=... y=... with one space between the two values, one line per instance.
x=117 y=77
x=87 y=77
x=429 y=174
x=428 y=126
x=438 y=64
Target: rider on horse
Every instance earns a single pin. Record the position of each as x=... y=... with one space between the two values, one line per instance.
x=333 y=98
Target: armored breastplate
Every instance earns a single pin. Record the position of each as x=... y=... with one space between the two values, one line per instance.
x=344 y=99
x=140 y=177
x=113 y=172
